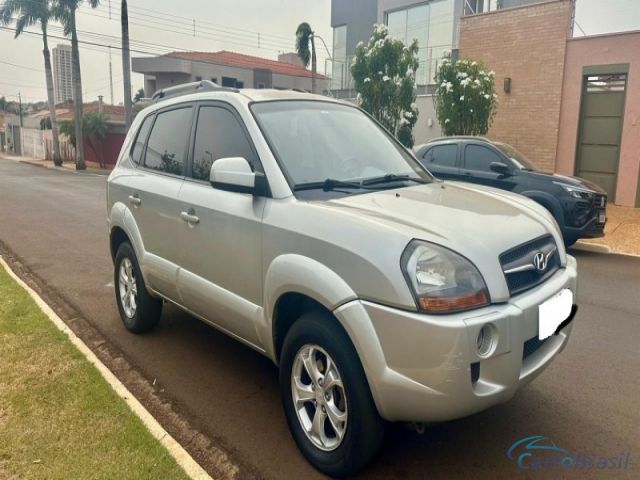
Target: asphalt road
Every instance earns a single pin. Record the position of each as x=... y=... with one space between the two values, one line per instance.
x=587 y=400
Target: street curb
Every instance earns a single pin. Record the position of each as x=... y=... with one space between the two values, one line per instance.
x=592 y=247
x=181 y=456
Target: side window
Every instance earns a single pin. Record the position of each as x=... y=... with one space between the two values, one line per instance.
x=443 y=155
x=167 y=146
x=218 y=135
x=143 y=133
x=477 y=157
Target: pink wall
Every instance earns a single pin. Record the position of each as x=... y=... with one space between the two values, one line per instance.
x=603 y=50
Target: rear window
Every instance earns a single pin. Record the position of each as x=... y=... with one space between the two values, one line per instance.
x=443 y=155
x=138 y=146
x=167 y=146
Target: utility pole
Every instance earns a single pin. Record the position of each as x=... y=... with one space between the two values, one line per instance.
x=110 y=77
x=20 y=107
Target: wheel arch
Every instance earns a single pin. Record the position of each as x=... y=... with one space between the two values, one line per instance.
x=295 y=284
x=548 y=201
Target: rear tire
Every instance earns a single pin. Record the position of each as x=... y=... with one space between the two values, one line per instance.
x=341 y=391
x=139 y=311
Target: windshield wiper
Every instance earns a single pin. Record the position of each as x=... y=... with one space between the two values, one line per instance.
x=392 y=177
x=328 y=185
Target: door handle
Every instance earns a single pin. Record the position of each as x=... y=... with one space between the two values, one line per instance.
x=134 y=200
x=189 y=217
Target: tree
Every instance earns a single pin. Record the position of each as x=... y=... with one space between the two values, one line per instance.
x=65 y=12
x=126 y=62
x=3 y=103
x=139 y=95
x=304 y=38
x=384 y=76
x=94 y=130
x=465 y=98
x=30 y=12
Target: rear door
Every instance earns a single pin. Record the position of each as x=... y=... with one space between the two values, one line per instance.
x=477 y=167
x=153 y=194
x=442 y=161
x=221 y=279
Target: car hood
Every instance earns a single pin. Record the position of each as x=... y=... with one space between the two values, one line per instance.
x=574 y=181
x=477 y=222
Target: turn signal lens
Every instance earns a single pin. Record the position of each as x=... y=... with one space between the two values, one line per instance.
x=453 y=304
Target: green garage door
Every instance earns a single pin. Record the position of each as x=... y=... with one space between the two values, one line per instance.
x=601 y=116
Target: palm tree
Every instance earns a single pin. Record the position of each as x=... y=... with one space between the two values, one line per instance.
x=30 y=12
x=65 y=12
x=304 y=36
x=126 y=62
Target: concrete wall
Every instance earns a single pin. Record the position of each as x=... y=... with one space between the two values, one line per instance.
x=359 y=16
x=422 y=131
x=526 y=44
x=621 y=48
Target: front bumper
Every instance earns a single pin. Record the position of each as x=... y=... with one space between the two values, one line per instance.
x=424 y=368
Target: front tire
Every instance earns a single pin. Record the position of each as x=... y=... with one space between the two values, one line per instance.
x=139 y=311
x=329 y=408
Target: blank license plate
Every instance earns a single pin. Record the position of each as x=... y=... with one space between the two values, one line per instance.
x=602 y=217
x=553 y=312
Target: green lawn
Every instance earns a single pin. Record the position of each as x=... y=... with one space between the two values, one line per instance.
x=59 y=419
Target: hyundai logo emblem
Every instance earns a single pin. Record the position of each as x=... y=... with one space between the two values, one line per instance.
x=540 y=262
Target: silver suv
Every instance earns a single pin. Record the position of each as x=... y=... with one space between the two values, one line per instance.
x=297 y=225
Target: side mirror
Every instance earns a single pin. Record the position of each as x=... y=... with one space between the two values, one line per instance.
x=500 y=167
x=234 y=174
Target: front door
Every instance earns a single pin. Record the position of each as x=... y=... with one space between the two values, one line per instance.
x=477 y=167
x=221 y=278
x=601 y=116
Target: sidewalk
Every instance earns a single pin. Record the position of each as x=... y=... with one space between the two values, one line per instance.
x=622 y=231
x=67 y=166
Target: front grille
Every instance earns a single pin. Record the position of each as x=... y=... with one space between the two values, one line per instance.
x=519 y=268
x=531 y=346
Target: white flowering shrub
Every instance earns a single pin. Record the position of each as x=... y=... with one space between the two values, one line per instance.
x=465 y=98
x=384 y=76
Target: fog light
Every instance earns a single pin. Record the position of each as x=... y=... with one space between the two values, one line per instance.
x=486 y=341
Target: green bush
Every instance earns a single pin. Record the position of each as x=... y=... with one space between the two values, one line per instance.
x=465 y=98
x=384 y=76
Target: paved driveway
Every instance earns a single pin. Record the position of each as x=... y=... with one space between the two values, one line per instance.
x=221 y=399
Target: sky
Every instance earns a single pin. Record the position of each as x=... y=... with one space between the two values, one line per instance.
x=255 y=27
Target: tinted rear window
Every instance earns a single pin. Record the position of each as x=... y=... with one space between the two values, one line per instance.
x=143 y=133
x=444 y=155
x=167 y=147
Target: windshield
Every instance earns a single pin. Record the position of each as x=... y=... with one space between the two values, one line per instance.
x=316 y=141
x=522 y=162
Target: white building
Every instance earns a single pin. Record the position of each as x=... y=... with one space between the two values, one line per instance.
x=62 y=83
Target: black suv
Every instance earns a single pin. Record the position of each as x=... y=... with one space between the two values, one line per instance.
x=579 y=206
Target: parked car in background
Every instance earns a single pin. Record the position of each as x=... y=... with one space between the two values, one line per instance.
x=298 y=225
x=578 y=205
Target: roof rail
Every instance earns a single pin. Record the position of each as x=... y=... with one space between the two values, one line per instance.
x=187 y=88
x=460 y=137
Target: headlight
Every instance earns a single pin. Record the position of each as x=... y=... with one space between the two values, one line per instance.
x=575 y=192
x=442 y=281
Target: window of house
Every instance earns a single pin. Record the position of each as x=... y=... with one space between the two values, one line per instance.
x=167 y=146
x=477 y=157
x=432 y=25
x=229 y=82
x=340 y=77
x=218 y=135
x=444 y=155
x=239 y=84
x=141 y=138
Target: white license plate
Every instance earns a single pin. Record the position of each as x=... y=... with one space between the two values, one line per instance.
x=602 y=217
x=553 y=312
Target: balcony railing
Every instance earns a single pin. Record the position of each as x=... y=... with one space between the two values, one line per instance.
x=472 y=7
